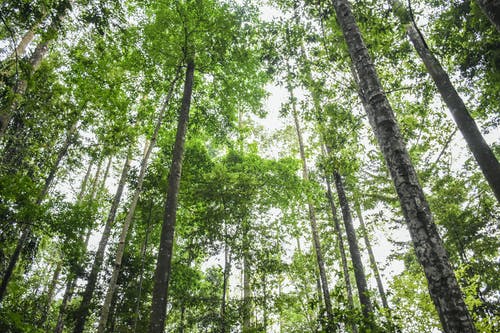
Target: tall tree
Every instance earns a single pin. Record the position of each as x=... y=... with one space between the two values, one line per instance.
x=482 y=152
x=443 y=286
x=164 y=261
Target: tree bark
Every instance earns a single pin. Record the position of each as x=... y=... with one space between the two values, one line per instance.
x=83 y=310
x=130 y=215
x=373 y=262
x=429 y=248
x=225 y=284
x=491 y=9
x=247 y=295
x=345 y=267
x=357 y=263
x=313 y=224
x=164 y=262
x=483 y=154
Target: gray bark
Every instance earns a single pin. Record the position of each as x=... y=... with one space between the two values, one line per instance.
x=491 y=9
x=483 y=154
x=164 y=262
x=84 y=308
x=357 y=263
x=429 y=248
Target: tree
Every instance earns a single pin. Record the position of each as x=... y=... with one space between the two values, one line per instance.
x=443 y=286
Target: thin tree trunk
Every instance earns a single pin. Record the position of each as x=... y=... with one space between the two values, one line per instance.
x=247 y=294
x=429 y=248
x=50 y=294
x=130 y=215
x=83 y=310
x=483 y=154
x=27 y=230
x=357 y=263
x=312 y=220
x=343 y=257
x=491 y=9
x=225 y=285
x=164 y=262
x=72 y=280
x=373 y=262
x=141 y=272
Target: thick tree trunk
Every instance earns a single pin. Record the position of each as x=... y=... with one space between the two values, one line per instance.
x=312 y=220
x=373 y=262
x=343 y=257
x=27 y=231
x=492 y=10
x=164 y=262
x=357 y=263
x=83 y=310
x=483 y=154
x=429 y=248
x=130 y=215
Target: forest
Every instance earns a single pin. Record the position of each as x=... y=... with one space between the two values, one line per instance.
x=250 y=166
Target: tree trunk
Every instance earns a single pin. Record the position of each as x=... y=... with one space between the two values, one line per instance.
x=247 y=296
x=23 y=44
x=483 y=154
x=492 y=10
x=50 y=294
x=141 y=272
x=429 y=248
x=164 y=262
x=225 y=286
x=312 y=220
x=373 y=262
x=72 y=280
x=83 y=310
x=27 y=231
x=130 y=215
x=357 y=263
x=345 y=267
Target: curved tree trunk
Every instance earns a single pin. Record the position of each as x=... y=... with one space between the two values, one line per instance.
x=429 y=248
x=483 y=154
x=357 y=263
x=491 y=9
x=83 y=310
x=164 y=262
x=130 y=215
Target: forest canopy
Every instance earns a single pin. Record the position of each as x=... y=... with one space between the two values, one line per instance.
x=249 y=166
